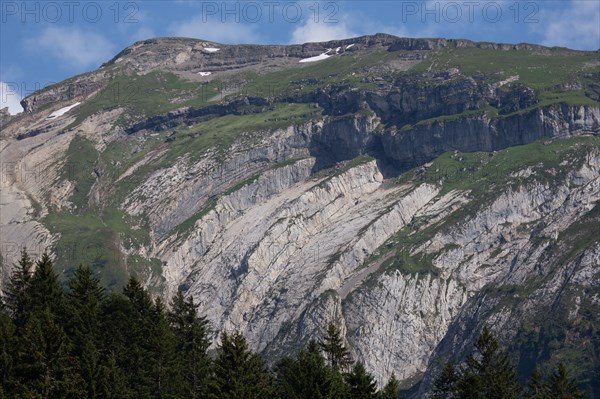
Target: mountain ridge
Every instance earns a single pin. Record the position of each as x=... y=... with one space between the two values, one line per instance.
x=309 y=49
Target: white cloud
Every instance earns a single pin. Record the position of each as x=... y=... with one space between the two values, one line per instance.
x=312 y=31
x=577 y=27
x=221 y=32
x=10 y=98
x=72 y=46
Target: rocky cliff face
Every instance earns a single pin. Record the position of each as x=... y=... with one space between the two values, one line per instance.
x=542 y=290
x=407 y=196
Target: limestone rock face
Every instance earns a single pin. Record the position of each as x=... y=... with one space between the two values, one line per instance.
x=407 y=204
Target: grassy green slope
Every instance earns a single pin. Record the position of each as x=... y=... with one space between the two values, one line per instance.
x=147 y=95
x=91 y=234
x=535 y=69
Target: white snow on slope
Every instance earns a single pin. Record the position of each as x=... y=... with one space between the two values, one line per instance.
x=211 y=49
x=319 y=57
x=350 y=45
x=62 y=111
x=204 y=73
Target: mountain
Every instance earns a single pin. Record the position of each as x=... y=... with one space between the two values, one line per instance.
x=409 y=190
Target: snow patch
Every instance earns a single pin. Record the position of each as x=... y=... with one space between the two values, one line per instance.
x=211 y=49
x=204 y=73
x=337 y=50
x=350 y=45
x=62 y=111
x=319 y=57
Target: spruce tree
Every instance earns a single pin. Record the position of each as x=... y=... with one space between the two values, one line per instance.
x=15 y=312
x=536 y=388
x=83 y=311
x=43 y=367
x=488 y=372
x=309 y=377
x=112 y=381
x=239 y=373
x=7 y=329
x=16 y=296
x=138 y=296
x=391 y=389
x=444 y=386
x=362 y=384
x=45 y=290
x=560 y=385
x=191 y=345
x=127 y=325
x=140 y=361
x=117 y=338
x=166 y=381
x=333 y=346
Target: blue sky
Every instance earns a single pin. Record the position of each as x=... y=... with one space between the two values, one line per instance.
x=45 y=42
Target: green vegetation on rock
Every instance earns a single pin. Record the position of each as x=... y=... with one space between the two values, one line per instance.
x=537 y=69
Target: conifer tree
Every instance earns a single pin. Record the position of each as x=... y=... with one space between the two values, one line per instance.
x=336 y=353
x=560 y=385
x=488 y=373
x=166 y=381
x=16 y=296
x=308 y=377
x=536 y=388
x=444 y=386
x=118 y=334
x=45 y=290
x=117 y=318
x=112 y=381
x=191 y=345
x=127 y=339
x=83 y=310
x=362 y=384
x=42 y=363
x=140 y=361
x=391 y=389
x=138 y=296
x=43 y=367
x=6 y=333
x=239 y=373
